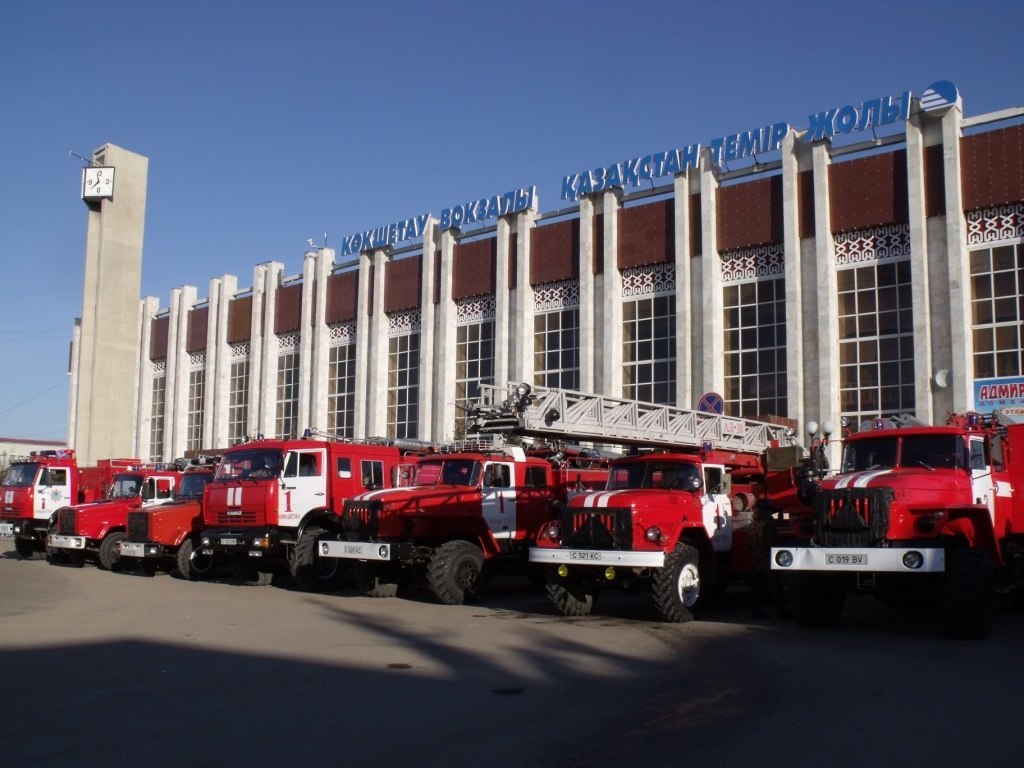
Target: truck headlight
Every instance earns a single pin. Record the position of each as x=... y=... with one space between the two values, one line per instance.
x=784 y=558
x=913 y=559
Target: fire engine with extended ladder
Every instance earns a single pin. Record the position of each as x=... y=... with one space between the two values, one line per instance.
x=674 y=515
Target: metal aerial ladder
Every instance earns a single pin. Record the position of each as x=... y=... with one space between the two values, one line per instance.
x=541 y=412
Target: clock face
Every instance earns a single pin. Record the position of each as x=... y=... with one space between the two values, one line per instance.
x=97 y=183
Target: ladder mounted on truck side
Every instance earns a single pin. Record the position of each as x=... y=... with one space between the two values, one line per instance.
x=541 y=412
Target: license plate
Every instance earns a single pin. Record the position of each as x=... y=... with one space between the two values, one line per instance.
x=228 y=542
x=846 y=559
x=131 y=549
x=6 y=529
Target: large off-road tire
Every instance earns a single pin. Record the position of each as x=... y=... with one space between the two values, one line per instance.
x=27 y=549
x=570 y=595
x=455 y=573
x=816 y=599
x=250 y=574
x=965 y=598
x=192 y=564
x=377 y=579
x=310 y=571
x=110 y=552
x=676 y=585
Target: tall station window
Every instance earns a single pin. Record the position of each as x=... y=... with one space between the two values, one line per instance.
x=286 y=421
x=649 y=335
x=754 y=302
x=997 y=296
x=341 y=381
x=196 y=396
x=156 y=411
x=238 y=394
x=556 y=335
x=403 y=374
x=474 y=348
x=876 y=336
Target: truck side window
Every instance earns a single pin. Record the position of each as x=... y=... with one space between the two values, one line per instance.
x=498 y=476
x=291 y=469
x=308 y=465
x=344 y=468
x=147 y=491
x=536 y=477
x=712 y=480
x=58 y=477
x=978 y=459
x=373 y=474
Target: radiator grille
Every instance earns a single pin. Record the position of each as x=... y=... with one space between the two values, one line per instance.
x=359 y=520
x=66 y=522
x=610 y=528
x=852 y=517
x=138 y=526
x=243 y=517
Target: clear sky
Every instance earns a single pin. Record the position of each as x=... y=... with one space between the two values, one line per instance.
x=267 y=123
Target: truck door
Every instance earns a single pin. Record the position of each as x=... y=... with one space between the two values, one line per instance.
x=499 y=499
x=717 y=508
x=53 y=491
x=303 y=484
x=983 y=486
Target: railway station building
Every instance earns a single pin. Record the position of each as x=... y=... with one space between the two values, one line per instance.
x=868 y=264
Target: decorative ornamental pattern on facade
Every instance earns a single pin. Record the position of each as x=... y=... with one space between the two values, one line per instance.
x=197 y=361
x=159 y=368
x=405 y=322
x=873 y=244
x=560 y=295
x=474 y=310
x=991 y=225
x=239 y=352
x=340 y=334
x=649 y=280
x=752 y=263
x=287 y=343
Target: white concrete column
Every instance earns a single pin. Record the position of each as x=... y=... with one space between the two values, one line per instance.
x=588 y=351
x=320 y=341
x=684 y=309
x=713 y=334
x=363 y=325
x=73 y=380
x=428 y=331
x=377 y=402
x=220 y=372
x=503 y=305
x=442 y=425
x=522 y=315
x=256 y=363
x=214 y=301
x=268 y=379
x=148 y=307
x=795 y=158
x=178 y=364
x=921 y=292
x=304 y=416
x=823 y=353
x=610 y=323
x=961 y=370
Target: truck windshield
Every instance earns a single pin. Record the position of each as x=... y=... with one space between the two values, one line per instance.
x=249 y=464
x=450 y=472
x=876 y=453
x=667 y=475
x=192 y=485
x=125 y=487
x=933 y=452
x=20 y=476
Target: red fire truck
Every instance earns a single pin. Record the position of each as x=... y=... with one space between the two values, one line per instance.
x=465 y=516
x=168 y=535
x=95 y=529
x=36 y=487
x=673 y=518
x=917 y=513
x=271 y=501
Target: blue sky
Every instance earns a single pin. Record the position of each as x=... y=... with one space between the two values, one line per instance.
x=267 y=123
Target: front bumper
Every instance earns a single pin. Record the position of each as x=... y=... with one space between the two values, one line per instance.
x=376 y=551
x=62 y=541
x=26 y=528
x=254 y=542
x=142 y=549
x=863 y=559
x=597 y=557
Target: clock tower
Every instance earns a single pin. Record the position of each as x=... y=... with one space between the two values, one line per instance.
x=105 y=346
